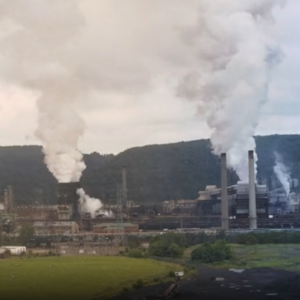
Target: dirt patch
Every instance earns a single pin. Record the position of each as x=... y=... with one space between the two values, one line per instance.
x=259 y=283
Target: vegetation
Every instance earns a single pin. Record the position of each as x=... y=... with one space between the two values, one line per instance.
x=160 y=172
x=279 y=256
x=26 y=234
x=212 y=252
x=167 y=245
x=77 y=278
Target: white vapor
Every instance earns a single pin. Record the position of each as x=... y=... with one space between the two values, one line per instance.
x=282 y=173
x=236 y=51
x=34 y=54
x=91 y=205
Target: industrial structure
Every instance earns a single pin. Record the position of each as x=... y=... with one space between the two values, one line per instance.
x=67 y=198
x=243 y=205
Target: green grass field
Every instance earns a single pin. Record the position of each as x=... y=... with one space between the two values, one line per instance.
x=76 y=278
x=281 y=256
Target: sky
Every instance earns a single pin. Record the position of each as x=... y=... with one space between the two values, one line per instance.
x=138 y=51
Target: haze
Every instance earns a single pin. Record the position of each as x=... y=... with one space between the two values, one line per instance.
x=132 y=55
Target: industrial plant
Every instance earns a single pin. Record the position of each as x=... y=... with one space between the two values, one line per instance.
x=245 y=205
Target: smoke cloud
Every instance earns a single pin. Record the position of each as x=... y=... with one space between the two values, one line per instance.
x=236 y=52
x=34 y=50
x=91 y=205
x=282 y=173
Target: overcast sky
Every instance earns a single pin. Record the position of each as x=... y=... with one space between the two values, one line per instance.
x=139 y=49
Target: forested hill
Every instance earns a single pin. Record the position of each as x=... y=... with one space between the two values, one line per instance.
x=154 y=173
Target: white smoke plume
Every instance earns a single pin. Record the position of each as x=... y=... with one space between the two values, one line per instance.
x=33 y=55
x=236 y=52
x=91 y=205
x=39 y=51
x=282 y=173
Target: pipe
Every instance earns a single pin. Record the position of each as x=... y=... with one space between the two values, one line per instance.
x=224 y=194
x=252 y=192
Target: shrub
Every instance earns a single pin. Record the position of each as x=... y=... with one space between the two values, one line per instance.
x=212 y=252
x=139 y=284
x=171 y=274
x=162 y=249
x=251 y=239
x=7 y=253
x=175 y=251
x=135 y=253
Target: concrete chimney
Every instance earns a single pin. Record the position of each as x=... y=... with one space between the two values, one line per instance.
x=252 y=192
x=224 y=195
x=124 y=185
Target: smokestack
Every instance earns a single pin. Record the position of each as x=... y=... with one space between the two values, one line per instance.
x=224 y=195
x=124 y=185
x=67 y=196
x=252 y=193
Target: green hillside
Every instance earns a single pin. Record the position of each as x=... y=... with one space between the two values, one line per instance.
x=154 y=173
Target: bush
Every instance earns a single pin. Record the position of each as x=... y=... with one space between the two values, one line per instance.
x=135 y=253
x=139 y=284
x=175 y=251
x=171 y=274
x=168 y=245
x=212 y=252
x=251 y=239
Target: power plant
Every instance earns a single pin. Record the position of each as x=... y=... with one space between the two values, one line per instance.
x=246 y=205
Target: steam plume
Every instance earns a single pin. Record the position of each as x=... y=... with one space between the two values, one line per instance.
x=91 y=205
x=34 y=56
x=282 y=173
x=236 y=53
x=37 y=53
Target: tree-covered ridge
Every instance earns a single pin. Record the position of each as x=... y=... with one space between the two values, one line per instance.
x=154 y=173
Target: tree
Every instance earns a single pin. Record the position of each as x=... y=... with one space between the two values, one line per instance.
x=175 y=251
x=26 y=234
x=212 y=252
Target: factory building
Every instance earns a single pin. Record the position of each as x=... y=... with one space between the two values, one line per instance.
x=37 y=212
x=114 y=228
x=209 y=201
x=183 y=207
x=68 y=227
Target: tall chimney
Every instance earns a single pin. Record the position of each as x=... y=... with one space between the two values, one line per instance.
x=124 y=185
x=252 y=192
x=224 y=195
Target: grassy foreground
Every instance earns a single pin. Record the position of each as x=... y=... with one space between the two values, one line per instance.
x=279 y=256
x=76 y=278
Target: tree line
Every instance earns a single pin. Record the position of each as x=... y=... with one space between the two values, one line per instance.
x=154 y=173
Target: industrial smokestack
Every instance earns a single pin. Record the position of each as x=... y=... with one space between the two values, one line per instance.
x=124 y=185
x=67 y=196
x=252 y=192
x=224 y=195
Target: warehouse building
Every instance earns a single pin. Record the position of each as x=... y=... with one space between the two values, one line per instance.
x=67 y=227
